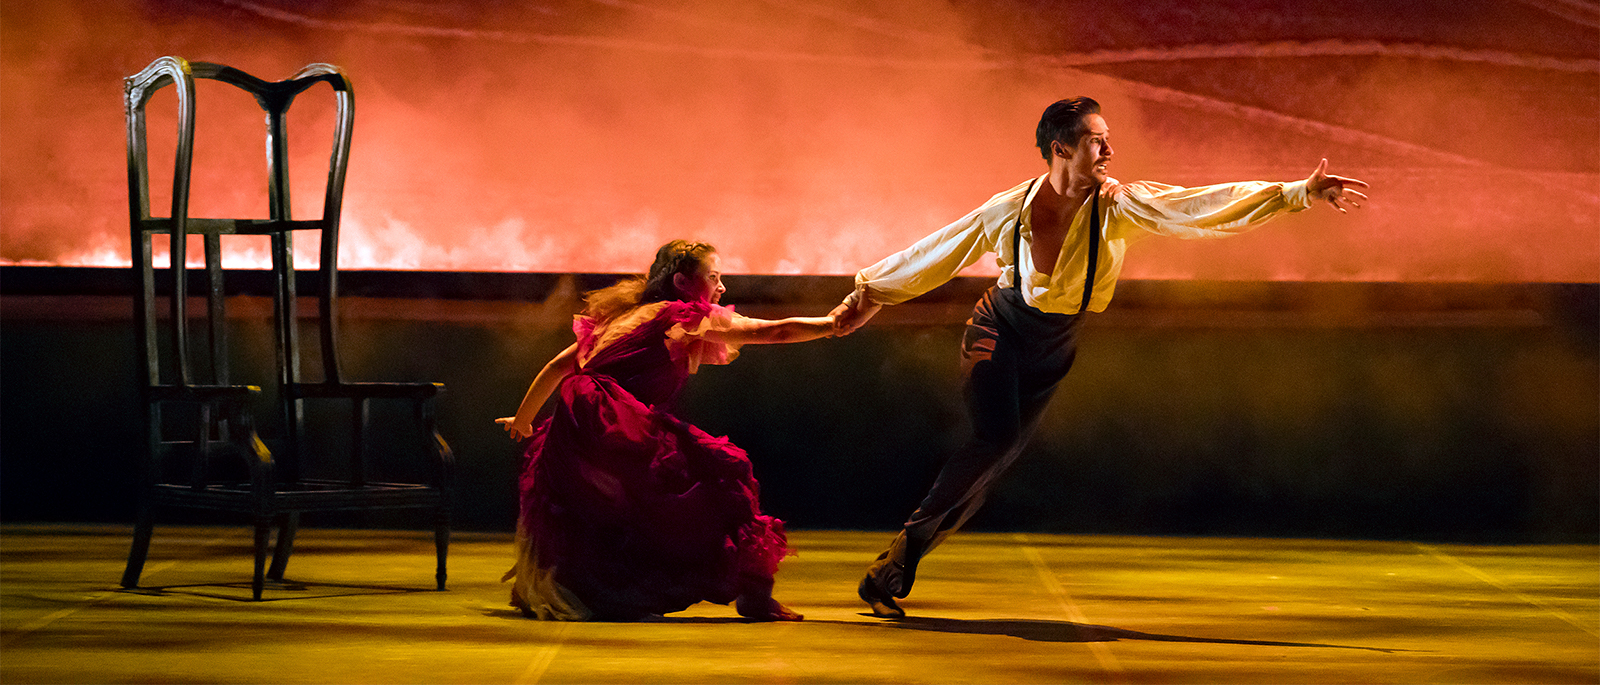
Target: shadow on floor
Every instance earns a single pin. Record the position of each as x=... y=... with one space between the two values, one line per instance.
x=511 y=613
x=1067 y=631
x=298 y=590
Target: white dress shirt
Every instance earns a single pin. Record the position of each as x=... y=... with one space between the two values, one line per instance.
x=1129 y=212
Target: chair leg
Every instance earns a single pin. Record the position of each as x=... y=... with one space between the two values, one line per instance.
x=263 y=532
x=441 y=542
x=285 y=546
x=143 y=526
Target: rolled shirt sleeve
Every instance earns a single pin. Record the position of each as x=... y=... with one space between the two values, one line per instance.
x=1214 y=211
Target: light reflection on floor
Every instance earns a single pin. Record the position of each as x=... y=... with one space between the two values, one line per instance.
x=989 y=607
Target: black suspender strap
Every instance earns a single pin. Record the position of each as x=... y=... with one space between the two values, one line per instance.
x=1016 y=241
x=1094 y=251
x=1094 y=246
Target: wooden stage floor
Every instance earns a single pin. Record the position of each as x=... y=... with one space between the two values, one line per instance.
x=989 y=608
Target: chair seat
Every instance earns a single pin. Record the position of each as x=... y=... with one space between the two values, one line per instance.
x=365 y=390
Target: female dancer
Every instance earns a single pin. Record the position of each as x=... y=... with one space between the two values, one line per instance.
x=627 y=511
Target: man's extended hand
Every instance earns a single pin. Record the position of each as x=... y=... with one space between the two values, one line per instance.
x=1335 y=189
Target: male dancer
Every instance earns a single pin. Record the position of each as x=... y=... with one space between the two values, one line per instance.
x=1060 y=241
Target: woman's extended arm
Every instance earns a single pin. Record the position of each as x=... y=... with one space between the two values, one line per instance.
x=564 y=364
x=762 y=331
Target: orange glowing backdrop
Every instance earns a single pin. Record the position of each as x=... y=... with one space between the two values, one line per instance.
x=817 y=136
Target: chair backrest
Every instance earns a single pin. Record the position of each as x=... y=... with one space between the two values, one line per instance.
x=182 y=369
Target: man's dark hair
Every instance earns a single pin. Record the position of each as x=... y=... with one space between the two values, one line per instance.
x=1064 y=121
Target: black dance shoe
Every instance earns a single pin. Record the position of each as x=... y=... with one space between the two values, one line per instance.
x=883 y=606
x=896 y=568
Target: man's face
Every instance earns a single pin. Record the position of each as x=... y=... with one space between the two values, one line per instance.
x=1091 y=157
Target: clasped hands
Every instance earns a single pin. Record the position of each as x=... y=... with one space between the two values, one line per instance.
x=852 y=314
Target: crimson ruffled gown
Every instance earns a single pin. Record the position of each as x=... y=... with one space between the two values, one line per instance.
x=626 y=510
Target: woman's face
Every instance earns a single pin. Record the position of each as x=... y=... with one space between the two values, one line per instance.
x=705 y=284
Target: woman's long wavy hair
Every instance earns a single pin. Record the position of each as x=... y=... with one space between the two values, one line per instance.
x=676 y=257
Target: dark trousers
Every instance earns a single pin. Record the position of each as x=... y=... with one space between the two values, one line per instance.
x=1012 y=356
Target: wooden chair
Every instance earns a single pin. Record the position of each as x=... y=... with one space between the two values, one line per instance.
x=203 y=450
